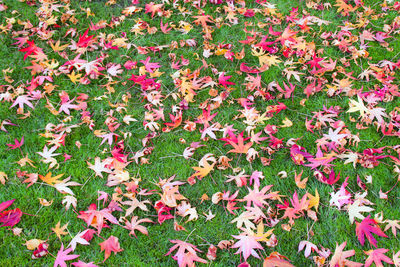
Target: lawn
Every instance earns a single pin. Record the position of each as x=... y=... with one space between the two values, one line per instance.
x=256 y=132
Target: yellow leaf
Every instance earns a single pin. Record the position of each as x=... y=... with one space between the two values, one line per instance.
x=51 y=180
x=57 y=48
x=260 y=232
x=22 y=162
x=203 y=171
x=268 y=60
x=45 y=202
x=33 y=243
x=60 y=230
x=300 y=183
x=286 y=123
x=74 y=78
x=3 y=177
x=314 y=200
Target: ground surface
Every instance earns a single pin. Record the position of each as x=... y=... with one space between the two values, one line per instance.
x=312 y=90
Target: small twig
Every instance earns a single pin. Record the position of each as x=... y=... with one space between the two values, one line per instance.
x=190 y=234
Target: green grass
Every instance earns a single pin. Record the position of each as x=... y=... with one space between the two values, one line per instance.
x=332 y=226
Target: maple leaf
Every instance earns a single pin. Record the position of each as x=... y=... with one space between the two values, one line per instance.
x=255 y=177
x=134 y=224
x=223 y=80
x=377 y=256
x=152 y=8
x=78 y=239
x=288 y=89
x=202 y=19
x=355 y=210
x=23 y=100
x=48 y=153
x=358 y=106
x=59 y=231
x=186 y=254
x=74 y=77
x=68 y=201
x=9 y=217
x=334 y=135
x=62 y=257
x=56 y=46
x=276 y=261
x=206 y=117
x=313 y=200
x=396 y=259
x=150 y=67
x=393 y=224
x=184 y=209
x=320 y=160
x=238 y=144
x=3 y=177
x=176 y=120
x=314 y=63
x=63 y=188
x=286 y=35
x=203 y=171
x=114 y=70
x=366 y=228
x=246 y=219
x=51 y=180
x=240 y=178
x=99 y=166
x=247 y=245
x=84 y=264
x=31 y=49
x=96 y=217
x=308 y=247
x=209 y=216
x=300 y=183
x=257 y=197
x=164 y=27
x=4 y=123
x=260 y=232
x=66 y=106
x=268 y=60
x=135 y=203
x=339 y=257
x=110 y=245
x=17 y=144
x=350 y=157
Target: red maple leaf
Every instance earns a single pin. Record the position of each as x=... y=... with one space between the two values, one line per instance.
x=152 y=8
x=164 y=27
x=366 y=228
x=110 y=245
x=206 y=117
x=30 y=49
x=84 y=40
x=238 y=143
x=314 y=63
x=62 y=257
x=96 y=217
x=150 y=66
x=223 y=80
x=176 y=120
x=288 y=89
x=17 y=144
x=9 y=217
